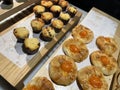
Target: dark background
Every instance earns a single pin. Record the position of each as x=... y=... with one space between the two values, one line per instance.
x=111 y=7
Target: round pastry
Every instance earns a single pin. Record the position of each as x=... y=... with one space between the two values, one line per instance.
x=107 y=64
x=21 y=33
x=56 y=9
x=47 y=4
x=63 y=4
x=62 y=70
x=47 y=17
x=38 y=9
x=72 y=11
x=37 y=25
x=106 y=44
x=91 y=78
x=75 y=49
x=82 y=33
x=47 y=33
x=65 y=17
x=57 y=24
x=39 y=83
x=31 y=45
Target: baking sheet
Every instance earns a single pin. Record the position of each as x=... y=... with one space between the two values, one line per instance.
x=100 y=24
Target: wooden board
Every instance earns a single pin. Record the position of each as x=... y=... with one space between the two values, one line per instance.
x=7 y=10
x=15 y=75
x=101 y=16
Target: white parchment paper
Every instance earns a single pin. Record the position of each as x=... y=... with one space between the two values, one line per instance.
x=11 y=49
x=100 y=25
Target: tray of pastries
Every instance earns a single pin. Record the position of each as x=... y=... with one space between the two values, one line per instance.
x=25 y=43
x=85 y=60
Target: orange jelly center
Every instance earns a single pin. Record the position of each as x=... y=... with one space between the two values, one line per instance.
x=95 y=81
x=74 y=48
x=104 y=60
x=31 y=87
x=83 y=34
x=67 y=66
x=107 y=39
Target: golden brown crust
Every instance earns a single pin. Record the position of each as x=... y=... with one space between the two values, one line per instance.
x=21 y=33
x=39 y=83
x=46 y=3
x=56 y=8
x=31 y=45
x=48 y=33
x=64 y=16
x=38 y=9
x=107 y=64
x=37 y=24
x=91 y=78
x=82 y=33
x=62 y=70
x=75 y=49
x=106 y=44
x=72 y=10
x=47 y=15
x=63 y=3
x=57 y=23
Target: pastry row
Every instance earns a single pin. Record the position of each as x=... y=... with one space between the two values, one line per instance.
x=47 y=23
x=64 y=71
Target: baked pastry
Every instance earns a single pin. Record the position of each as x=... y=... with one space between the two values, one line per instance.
x=106 y=44
x=37 y=25
x=107 y=64
x=62 y=70
x=47 y=4
x=63 y=4
x=82 y=33
x=72 y=11
x=31 y=45
x=57 y=24
x=38 y=9
x=55 y=2
x=65 y=17
x=56 y=9
x=39 y=83
x=91 y=78
x=47 y=33
x=75 y=49
x=21 y=33
x=47 y=17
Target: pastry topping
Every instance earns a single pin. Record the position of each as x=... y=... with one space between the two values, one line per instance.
x=107 y=39
x=56 y=8
x=72 y=9
x=38 y=9
x=104 y=60
x=47 y=15
x=95 y=81
x=64 y=16
x=46 y=3
x=66 y=66
x=74 y=48
x=57 y=23
x=83 y=34
x=32 y=43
